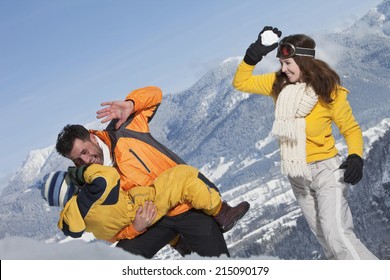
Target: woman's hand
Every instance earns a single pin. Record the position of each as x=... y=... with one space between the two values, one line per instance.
x=266 y=42
x=353 y=169
x=144 y=216
x=120 y=110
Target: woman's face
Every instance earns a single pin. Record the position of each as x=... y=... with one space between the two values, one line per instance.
x=291 y=70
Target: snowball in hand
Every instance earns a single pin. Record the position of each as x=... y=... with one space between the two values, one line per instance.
x=268 y=38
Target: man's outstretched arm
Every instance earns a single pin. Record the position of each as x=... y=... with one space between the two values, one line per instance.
x=143 y=99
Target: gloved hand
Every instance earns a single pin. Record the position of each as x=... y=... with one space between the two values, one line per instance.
x=353 y=169
x=266 y=42
x=76 y=174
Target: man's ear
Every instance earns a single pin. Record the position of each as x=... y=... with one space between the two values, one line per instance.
x=93 y=138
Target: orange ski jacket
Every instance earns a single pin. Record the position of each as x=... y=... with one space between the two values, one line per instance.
x=138 y=157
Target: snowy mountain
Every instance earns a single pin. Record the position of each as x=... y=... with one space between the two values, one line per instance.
x=366 y=63
x=225 y=133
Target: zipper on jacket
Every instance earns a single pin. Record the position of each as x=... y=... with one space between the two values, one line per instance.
x=140 y=160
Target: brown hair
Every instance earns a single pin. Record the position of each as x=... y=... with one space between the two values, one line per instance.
x=315 y=72
x=68 y=135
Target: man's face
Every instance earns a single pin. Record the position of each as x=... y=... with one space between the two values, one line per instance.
x=86 y=152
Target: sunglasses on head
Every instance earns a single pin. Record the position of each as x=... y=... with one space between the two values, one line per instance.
x=287 y=50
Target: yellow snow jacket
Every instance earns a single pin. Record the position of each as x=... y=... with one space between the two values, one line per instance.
x=103 y=208
x=320 y=142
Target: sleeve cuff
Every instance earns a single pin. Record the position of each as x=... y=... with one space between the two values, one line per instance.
x=128 y=233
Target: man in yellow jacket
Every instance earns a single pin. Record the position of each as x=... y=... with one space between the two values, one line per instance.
x=92 y=200
x=139 y=158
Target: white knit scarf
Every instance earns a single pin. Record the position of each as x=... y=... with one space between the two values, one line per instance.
x=294 y=103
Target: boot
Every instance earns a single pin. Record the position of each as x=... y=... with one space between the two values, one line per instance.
x=228 y=216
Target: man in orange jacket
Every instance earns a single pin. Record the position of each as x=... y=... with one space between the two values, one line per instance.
x=127 y=144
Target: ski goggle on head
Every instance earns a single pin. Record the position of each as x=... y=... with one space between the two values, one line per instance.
x=287 y=50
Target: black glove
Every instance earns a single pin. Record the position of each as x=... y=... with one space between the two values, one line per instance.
x=354 y=169
x=257 y=50
x=76 y=175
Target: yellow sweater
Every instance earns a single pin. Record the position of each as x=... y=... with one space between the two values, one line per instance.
x=320 y=143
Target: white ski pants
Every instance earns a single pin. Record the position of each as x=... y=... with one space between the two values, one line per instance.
x=325 y=208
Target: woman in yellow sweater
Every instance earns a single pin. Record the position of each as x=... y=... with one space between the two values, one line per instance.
x=309 y=98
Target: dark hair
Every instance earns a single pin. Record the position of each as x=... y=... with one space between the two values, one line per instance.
x=68 y=134
x=315 y=72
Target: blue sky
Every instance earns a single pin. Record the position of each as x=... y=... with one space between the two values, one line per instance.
x=59 y=59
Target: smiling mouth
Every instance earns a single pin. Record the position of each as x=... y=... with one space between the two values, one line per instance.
x=98 y=160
